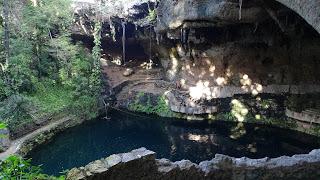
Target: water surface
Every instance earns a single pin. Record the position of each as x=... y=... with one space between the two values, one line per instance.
x=169 y=138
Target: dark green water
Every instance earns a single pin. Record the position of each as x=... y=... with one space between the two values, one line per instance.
x=172 y=139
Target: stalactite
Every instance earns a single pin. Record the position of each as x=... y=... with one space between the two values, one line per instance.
x=256 y=25
x=273 y=15
x=158 y=38
x=150 y=45
x=240 y=9
x=112 y=29
x=106 y=108
x=184 y=35
x=181 y=35
x=186 y=38
x=123 y=23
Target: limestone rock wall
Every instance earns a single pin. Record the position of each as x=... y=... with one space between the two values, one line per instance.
x=217 y=42
x=241 y=58
x=174 y=13
x=307 y=9
x=141 y=164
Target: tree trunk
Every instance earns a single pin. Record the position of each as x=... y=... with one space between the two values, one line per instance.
x=6 y=30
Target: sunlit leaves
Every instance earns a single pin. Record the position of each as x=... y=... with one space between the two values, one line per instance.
x=2 y=125
x=15 y=167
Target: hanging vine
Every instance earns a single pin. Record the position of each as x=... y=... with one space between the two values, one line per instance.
x=112 y=30
x=123 y=24
x=240 y=9
x=96 y=51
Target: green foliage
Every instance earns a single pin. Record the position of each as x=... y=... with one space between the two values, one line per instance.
x=3 y=126
x=15 y=167
x=227 y=116
x=139 y=107
x=315 y=130
x=152 y=16
x=47 y=74
x=256 y=110
x=47 y=100
x=5 y=90
x=85 y=107
x=51 y=98
x=16 y=111
x=161 y=108
x=250 y=118
x=96 y=52
x=19 y=72
x=48 y=15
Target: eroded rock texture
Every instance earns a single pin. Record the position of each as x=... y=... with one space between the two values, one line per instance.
x=307 y=9
x=174 y=14
x=205 y=50
x=141 y=164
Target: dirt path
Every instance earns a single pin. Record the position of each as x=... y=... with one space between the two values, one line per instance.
x=16 y=144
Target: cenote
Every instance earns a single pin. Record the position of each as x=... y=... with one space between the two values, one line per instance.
x=170 y=138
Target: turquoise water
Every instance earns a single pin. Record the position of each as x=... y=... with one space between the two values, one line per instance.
x=169 y=138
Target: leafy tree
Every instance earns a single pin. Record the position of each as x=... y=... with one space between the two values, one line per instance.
x=15 y=167
x=44 y=62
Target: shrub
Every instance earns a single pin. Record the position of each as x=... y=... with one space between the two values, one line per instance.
x=15 y=167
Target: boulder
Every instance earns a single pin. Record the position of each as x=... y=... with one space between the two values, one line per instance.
x=128 y=72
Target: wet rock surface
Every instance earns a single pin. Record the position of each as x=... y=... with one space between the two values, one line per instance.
x=141 y=164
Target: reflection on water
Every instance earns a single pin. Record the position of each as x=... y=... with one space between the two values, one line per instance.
x=172 y=139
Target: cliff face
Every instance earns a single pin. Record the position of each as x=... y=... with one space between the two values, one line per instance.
x=173 y=14
x=211 y=49
x=222 y=41
x=219 y=41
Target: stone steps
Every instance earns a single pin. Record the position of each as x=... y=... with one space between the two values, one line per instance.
x=308 y=116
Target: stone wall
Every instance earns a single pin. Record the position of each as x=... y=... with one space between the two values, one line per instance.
x=142 y=164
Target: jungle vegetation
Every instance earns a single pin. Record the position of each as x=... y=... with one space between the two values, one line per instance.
x=42 y=72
